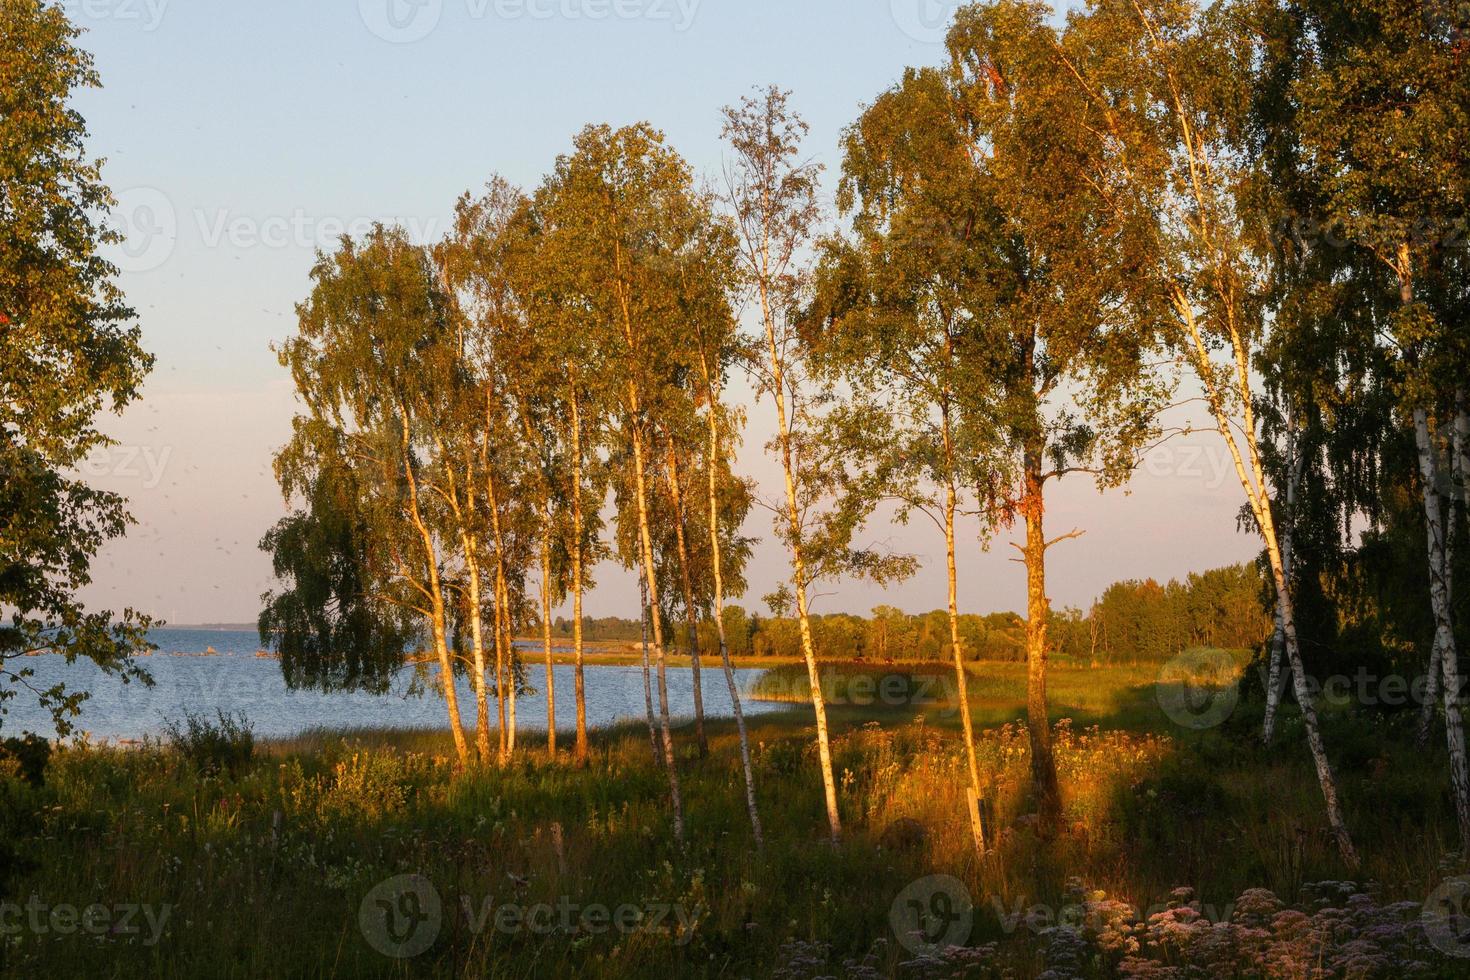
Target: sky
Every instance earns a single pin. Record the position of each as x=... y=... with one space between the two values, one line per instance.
x=239 y=138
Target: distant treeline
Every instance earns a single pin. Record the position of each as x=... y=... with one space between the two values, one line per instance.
x=1133 y=621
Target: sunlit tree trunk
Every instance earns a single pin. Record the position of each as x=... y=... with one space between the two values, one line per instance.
x=576 y=552
x=691 y=621
x=505 y=679
x=962 y=693
x=645 y=536
x=798 y=566
x=464 y=515
x=1038 y=609
x=719 y=605
x=512 y=682
x=436 y=599
x=477 y=649
x=546 y=631
x=647 y=670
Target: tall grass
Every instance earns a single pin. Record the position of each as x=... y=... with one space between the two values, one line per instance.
x=266 y=868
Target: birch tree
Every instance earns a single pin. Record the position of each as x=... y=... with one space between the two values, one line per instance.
x=613 y=205
x=772 y=195
x=1062 y=333
x=1173 y=157
x=376 y=308
x=897 y=301
x=1395 y=184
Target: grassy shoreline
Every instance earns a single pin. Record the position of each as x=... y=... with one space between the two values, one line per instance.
x=267 y=867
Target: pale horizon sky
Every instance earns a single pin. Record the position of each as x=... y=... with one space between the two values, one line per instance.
x=241 y=137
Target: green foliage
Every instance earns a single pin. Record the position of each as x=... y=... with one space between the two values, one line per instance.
x=225 y=746
x=68 y=351
x=324 y=621
x=25 y=758
x=1145 y=621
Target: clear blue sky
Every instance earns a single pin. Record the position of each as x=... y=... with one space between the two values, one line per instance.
x=241 y=136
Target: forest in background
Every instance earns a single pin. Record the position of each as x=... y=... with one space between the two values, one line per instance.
x=1132 y=622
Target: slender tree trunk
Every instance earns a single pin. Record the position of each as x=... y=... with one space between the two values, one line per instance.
x=504 y=652
x=719 y=610
x=1274 y=685
x=962 y=693
x=1440 y=598
x=1462 y=446
x=658 y=759
x=1252 y=478
x=546 y=634
x=436 y=602
x=512 y=680
x=691 y=621
x=1038 y=610
x=960 y=678
x=503 y=751
x=798 y=569
x=646 y=540
x=1456 y=467
x=1429 y=708
x=635 y=421
x=477 y=648
x=576 y=552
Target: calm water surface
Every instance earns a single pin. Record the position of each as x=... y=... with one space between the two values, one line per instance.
x=238 y=681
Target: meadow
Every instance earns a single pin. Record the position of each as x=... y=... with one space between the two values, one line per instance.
x=1183 y=853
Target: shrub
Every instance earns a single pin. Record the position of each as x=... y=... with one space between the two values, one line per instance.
x=213 y=747
x=25 y=758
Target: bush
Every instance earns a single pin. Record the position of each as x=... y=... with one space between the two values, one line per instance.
x=25 y=758
x=213 y=748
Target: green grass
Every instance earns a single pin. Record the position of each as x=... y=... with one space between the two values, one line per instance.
x=266 y=869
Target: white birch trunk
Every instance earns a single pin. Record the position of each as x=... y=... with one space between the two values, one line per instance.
x=719 y=584
x=1274 y=684
x=1444 y=631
